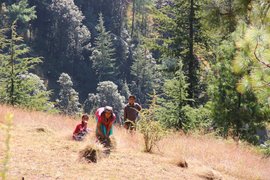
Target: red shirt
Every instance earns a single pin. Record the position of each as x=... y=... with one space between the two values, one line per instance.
x=79 y=128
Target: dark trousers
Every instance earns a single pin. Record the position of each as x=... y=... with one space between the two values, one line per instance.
x=80 y=136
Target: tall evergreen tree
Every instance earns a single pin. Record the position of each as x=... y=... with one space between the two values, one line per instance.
x=240 y=113
x=22 y=14
x=171 y=111
x=251 y=59
x=15 y=61
x=103 y=54
x=68 y=102
x=143 y=70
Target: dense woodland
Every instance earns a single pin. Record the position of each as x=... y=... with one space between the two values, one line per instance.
x=205 y=63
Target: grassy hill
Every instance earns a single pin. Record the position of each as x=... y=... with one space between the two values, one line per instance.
x=42 y=148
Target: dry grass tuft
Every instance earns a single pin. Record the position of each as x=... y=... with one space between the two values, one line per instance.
x=224 y=156
x=92 y=153
x=209 y=174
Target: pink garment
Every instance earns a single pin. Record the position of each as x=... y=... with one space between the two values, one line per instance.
x=100 y=117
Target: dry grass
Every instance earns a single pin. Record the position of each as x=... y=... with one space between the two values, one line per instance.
x=42 y=148
x=224 y=156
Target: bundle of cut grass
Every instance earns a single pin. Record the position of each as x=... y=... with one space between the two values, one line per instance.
x=92 y=153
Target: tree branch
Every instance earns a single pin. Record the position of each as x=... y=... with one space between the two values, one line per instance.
x=257 y=58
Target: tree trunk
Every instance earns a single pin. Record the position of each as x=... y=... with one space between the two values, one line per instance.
x=192 y=72
x=133 y=18
x=12 y=69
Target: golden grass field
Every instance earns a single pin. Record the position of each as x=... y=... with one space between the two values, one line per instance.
x=42 y=148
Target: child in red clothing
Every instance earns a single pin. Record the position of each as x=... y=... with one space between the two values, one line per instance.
x=81 y=130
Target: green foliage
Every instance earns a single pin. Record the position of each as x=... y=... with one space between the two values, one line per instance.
x=266 y=149
x=197 y=118
x=15 y=62
x=144 y=74
x=152 y=130
x=68 y=102
x=103 y=54
x=36 y=95
x=21 y=12
x=251 y=61
x=7 y=127
x=231 y=110
x=66 y=37
x=91 y=103
x=171 y=112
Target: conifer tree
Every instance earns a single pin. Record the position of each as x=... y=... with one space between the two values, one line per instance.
x=171 y=111
x=143 y=71
x=15 y=62
x=251 y=61
x=103 y=53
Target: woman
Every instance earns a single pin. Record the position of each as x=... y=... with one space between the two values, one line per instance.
x=105 y=119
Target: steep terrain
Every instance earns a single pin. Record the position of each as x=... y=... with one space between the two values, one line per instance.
x=42 y=148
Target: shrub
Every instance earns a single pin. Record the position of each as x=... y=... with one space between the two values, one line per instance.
x=152 y=130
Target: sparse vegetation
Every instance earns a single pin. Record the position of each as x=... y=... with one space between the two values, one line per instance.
x=7 y=127
x=152 y=130
x=59 y=156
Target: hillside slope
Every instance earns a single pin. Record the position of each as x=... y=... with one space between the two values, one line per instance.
x=41 y=148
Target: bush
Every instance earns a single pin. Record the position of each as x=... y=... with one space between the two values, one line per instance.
x=265 y=149
x=152 y=130
x=196 y=118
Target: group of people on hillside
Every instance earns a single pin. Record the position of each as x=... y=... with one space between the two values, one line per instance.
x=105 y=119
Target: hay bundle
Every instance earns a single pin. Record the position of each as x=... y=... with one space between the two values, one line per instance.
x=92 y=153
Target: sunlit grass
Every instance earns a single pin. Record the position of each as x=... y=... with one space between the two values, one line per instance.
x=42 y=148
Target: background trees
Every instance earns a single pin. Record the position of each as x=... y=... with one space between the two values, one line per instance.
x=68 y=102
x=207 y=61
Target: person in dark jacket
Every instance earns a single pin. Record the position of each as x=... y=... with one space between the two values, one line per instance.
x=81 y=130
x=131 y=113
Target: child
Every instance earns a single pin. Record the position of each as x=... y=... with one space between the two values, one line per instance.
x=81 y=130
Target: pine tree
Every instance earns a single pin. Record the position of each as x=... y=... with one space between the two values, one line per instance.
x=68 y=102
x=143 y=70
x=103 y=54
x=251 y=61
x=235 y=107
x=14 y=63
x=171 y=111
x=22 y=13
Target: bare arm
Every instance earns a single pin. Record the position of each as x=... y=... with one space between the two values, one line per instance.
x=139 y=107
x=109 y=129
x=99 y=129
